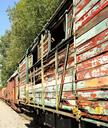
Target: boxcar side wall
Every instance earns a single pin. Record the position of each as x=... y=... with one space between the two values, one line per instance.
x=91 y=56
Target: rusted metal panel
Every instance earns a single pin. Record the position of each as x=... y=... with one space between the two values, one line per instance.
x=92 y=13
x=93 y=52
x=92 y=73
x=0 y=93
x=81 y=5
x=96 y=107
x=88 y=7
x=11 y=93
x=102 y=37
x=92 y=32
x=4 y=93
x=95 y=83
x=94 y=62
x=85 y=26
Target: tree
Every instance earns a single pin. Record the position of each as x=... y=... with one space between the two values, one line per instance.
x=4 y=45
x=27 y=19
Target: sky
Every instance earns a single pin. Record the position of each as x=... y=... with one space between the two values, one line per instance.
x=4 y=19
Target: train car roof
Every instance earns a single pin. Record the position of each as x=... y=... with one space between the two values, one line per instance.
x=13 y=75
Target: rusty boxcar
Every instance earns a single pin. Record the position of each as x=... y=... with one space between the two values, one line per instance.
x=64 y=74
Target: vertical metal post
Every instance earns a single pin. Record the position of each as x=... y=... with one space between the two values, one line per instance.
x=66 y=17
x=27 y=80
x=75 y=60
x=74 y=31
x=42 y=71
x=56 y=75
x=49 y=41
x=64 y=72
x=33 y=84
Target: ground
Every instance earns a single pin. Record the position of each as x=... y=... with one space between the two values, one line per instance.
x=10 y=119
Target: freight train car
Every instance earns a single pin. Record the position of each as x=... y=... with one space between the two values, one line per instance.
x=66 y=68
x=11 y=91
x=0 y=92
x=3 y=94
x=64 y=72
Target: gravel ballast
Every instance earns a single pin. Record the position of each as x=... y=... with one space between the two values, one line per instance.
x=9 y=118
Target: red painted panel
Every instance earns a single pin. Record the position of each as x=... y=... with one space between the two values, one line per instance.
x=81 y=5
x=96 y=107
x=3 y=93
x=0 y=93
x=93 y=94
x=99 y=49
x=93 y=116
x=94 y=62
x=93 y=12
x=93 y=22
x=93 y=42
x=95 y=83
x=68 y=95
x=86 y=9
x=92 y=73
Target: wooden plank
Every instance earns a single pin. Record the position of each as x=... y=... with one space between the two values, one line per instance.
x=50 y=88
x=50 y=102
x=93 y=42
x=92 y=73
x=70 y=86
x=97 y=83
x=97 y=107
x=92 y=32
x=68 y=95
x=50 y=95
x=51 y=110
x=99 y=49
x=92 y=13
x=93 y=94
x=86 y=9
x=81 y=5
x=95 y=119
x=69 y=104
x=94 y=62
x=69 y=23
x=75 y=2
x=91 y=21
x=70 y=62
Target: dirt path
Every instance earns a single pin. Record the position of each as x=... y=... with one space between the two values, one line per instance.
x=10 y=119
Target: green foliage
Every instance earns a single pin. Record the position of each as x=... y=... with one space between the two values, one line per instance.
x=27 y=19
x=4 y=45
